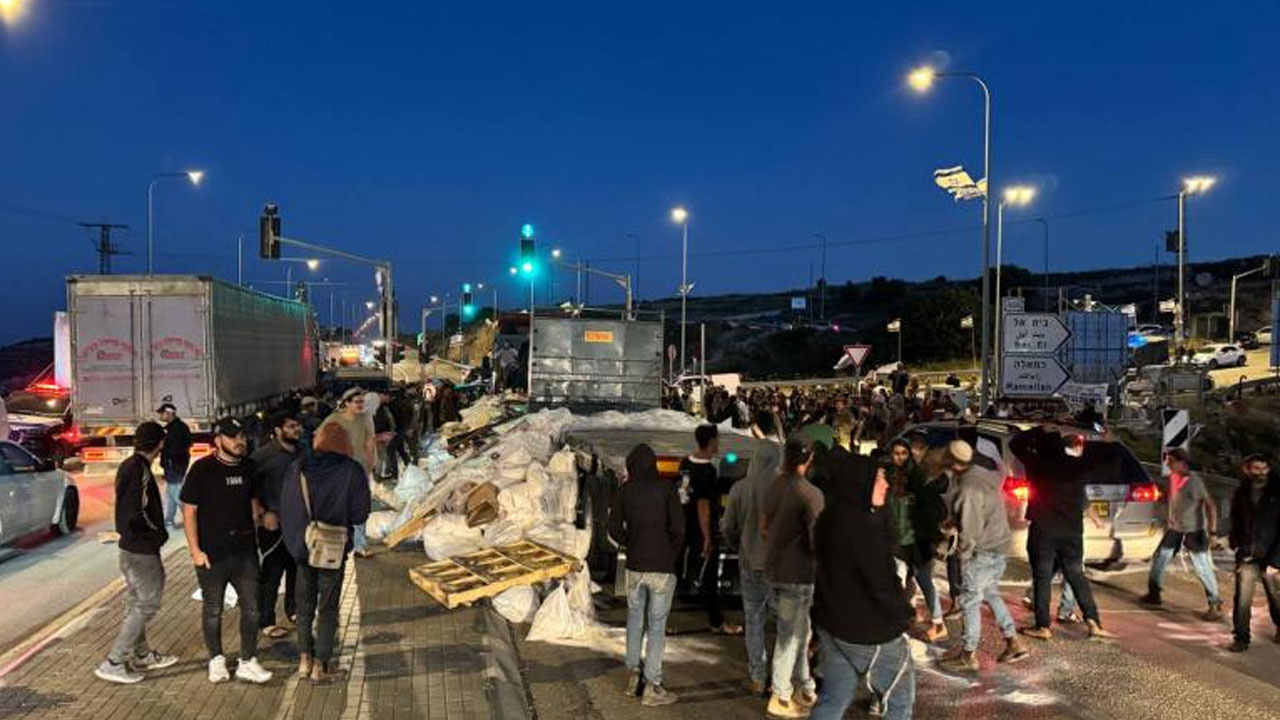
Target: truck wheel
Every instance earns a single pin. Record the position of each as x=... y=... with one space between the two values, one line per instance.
x=70 y=512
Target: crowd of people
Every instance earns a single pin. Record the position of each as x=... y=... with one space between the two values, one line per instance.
x=835 y=541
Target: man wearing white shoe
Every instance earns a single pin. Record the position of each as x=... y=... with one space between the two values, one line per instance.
x=219 y=500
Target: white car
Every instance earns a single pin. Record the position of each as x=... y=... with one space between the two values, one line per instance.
x=34 y=495
x=1219 y=355
x=1264 y=335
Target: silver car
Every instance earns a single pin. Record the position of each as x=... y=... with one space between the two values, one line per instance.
x=1122 y=496
x=34 y=495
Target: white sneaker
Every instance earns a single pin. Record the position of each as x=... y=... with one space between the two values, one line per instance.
x=250 y=671
x=218 y=670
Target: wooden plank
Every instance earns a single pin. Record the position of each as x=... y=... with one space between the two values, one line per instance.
x=466 y=578
x=409 y=529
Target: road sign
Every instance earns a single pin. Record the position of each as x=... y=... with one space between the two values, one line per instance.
x=671 y=352
x=1080 y=395
x=798 y=303
x=1031 y=375
x=1013 y=304
x=857 y=354
x=1037 y=333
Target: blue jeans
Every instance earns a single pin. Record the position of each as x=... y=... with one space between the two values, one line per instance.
x=1201 y=563
x=982 y=573
x=755 y=608
x=648 y=604
x=888 y=670
x=359 y=539
x=791 y=647
x=173 y=477
x=924 y=578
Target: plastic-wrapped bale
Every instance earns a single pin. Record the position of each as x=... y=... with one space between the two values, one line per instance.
x=414 y=483
x=517 y=605
x=380 y=523
x=522 y=504
x=567 y=613
x=447 y=535
x=563 y=537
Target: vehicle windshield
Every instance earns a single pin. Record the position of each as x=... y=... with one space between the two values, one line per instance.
x=25 y=402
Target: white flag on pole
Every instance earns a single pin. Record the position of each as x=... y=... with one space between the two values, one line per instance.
x=966 y=322
x=895 y=325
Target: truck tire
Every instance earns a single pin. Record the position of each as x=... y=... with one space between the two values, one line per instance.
x=70 y=514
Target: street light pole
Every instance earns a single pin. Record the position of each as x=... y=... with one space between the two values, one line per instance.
x=822 y=279
x=921 y=79
x=1231 y=321
x=1179 y=320
x=194 y=176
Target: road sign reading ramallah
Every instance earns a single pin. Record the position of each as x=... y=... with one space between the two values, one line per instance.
x=1038 y=333
x=1031 y=375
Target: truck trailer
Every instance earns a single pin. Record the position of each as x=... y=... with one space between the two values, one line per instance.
x=208 y=347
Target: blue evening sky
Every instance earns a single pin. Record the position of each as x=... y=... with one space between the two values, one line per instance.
x=427 y=132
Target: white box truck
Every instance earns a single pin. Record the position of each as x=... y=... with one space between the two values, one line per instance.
x=209 y=347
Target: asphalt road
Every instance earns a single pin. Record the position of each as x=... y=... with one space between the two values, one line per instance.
x=1167 y=664
x=49 y=575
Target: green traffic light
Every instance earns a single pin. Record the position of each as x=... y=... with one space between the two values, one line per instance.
x=527 y=268
x=526 y=231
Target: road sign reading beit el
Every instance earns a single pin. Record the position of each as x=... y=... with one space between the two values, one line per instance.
x=1038 y=333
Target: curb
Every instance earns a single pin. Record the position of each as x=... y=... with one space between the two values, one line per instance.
x=507 y=694
x=59 y=627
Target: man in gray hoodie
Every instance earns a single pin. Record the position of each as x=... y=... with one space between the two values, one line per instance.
x=983 y=540
x=740 y=526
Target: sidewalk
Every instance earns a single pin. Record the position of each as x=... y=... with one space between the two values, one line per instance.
x=407 y=658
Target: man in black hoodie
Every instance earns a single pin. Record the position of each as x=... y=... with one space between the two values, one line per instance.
x=140 y=523
x=337 y=493
x=647 y=521
x=1255 y=536
x=859 y=610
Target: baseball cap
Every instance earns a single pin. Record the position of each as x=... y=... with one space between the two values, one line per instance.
x=228 y=426
x=350 y=394
x=166 y=406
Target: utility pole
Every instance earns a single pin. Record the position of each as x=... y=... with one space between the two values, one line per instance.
x=104 y=246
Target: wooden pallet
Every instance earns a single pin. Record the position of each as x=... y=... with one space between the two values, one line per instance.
x=464 y=579
x=411 y=528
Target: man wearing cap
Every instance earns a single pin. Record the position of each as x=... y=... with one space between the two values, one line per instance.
x=219 y=508
x=352 y=417
x=174 y=458
x=140 y=523
x=983 y=541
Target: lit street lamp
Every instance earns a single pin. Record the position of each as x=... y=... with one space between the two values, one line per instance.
x=12 y=12
x=1190 y=186
x=681 y=217
x=921 y=79
x=1015 y=196
x=194 y=176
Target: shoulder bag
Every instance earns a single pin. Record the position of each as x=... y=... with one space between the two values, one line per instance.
x=326 y=544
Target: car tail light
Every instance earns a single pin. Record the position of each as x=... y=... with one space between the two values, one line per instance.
x=1017 y=489
x=199 y=450
x=1146 y=492
x=70 y=436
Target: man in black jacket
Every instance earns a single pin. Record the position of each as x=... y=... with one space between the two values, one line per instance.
x=174 y=458
x=272 y=464
x=859 y=610
x=1057 y=469
x=647 y=521
x=1255 y=536
x=337 y=494
x=140 y=523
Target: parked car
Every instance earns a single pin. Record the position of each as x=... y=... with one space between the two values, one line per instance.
x=1219 y=355
x=40 y=421
x=1122 y=494
x=1151 y=330
x=1247 y=340
x=1263 y=335
x=34 y=495
x=1163 y=379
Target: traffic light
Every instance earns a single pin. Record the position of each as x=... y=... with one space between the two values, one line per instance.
x=269 y=232
x=1171 y=241
x=468 y=302
x=528 y=250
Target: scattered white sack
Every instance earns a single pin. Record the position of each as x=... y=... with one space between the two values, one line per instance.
x=563 y=462
x=517 y=605
x=447 y=535
x=414 y=483
x=567 y=613
x=522 y=504
x=513 y=466
x=229 y=597
x=380 y=524
x=563 y=537
x=560 y=497
x=502 y=532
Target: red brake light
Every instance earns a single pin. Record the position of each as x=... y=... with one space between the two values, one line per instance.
x=1017 y=489
x=1147 y=492
x=46 y=388
x=70 y=435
